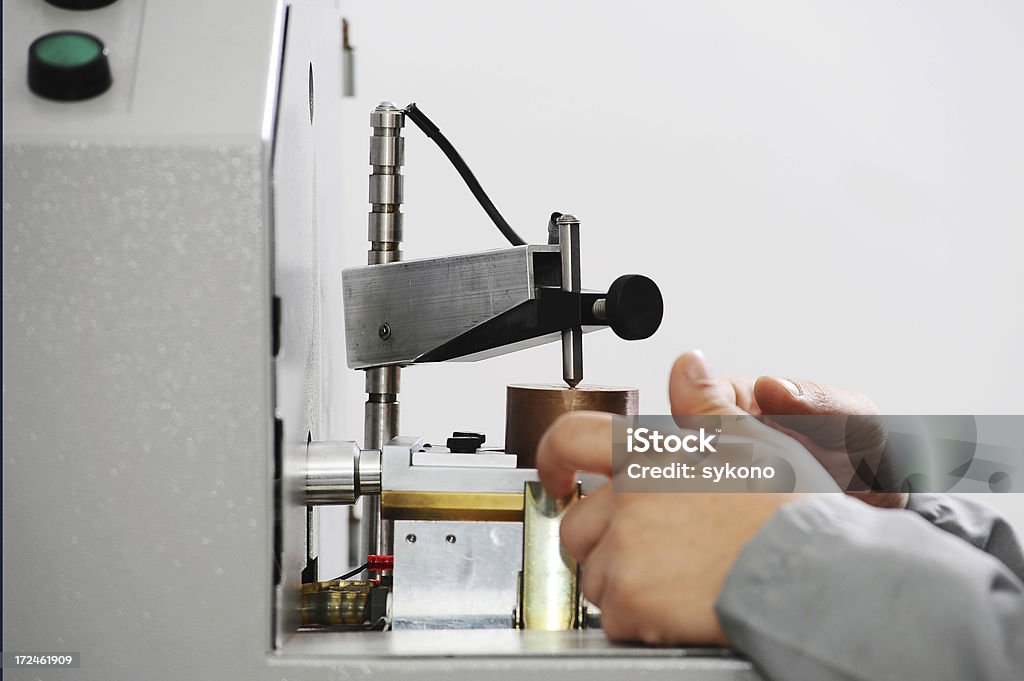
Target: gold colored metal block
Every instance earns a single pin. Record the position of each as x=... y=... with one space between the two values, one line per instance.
x=479 y=506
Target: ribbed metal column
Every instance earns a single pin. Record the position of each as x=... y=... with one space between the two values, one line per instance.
x=387 y=155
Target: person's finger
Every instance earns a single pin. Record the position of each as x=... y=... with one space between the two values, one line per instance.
x=577 y=441
x=797 y=397
x=815 y=411
x=594 y=576
x=586 y=521
x=694 y=391
x=840 y=420
x=608 y=583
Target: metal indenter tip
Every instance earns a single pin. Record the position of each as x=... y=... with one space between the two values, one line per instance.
x=572 y=356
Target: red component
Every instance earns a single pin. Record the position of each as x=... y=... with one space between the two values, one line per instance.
x=380 y=562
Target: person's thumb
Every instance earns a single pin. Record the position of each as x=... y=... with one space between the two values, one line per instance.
x=693 y=390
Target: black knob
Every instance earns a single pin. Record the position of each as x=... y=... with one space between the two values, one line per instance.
x=465 y=443
x=68 y=66
x=634 y=307
x=81 y=4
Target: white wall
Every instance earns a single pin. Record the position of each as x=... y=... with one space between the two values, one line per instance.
x=823 y=190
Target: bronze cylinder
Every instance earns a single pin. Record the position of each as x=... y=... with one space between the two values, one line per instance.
x=530 y=409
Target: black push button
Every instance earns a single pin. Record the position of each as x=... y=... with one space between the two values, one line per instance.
x=81 y=4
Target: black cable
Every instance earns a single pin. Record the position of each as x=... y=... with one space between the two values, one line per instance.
x=552 y=229
x=434 y=133
x=353 y=573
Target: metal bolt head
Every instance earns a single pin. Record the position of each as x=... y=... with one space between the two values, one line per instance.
x=450 y=539
x=387 y=115
x=411 y=538
x=384 y=331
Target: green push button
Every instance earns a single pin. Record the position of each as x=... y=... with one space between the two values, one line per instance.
x=68 y=49
x=68 y=66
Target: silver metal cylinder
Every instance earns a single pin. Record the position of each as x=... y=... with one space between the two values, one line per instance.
x=384 y=231
x=572 y=339
x=385 y=117
x=380 y=424
x=387 y=155
x=383 y=255
x=384 y=227
x=383 y=381
x=387 y=151
x=339 y=473
x=569 y=247
x=381 y=420
x=368 y=473
x=386 y=189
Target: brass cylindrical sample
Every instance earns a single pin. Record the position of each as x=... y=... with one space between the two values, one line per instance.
x=530 y=409
x=549 y=593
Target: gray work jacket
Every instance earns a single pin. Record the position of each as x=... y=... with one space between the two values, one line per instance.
x=831 y=588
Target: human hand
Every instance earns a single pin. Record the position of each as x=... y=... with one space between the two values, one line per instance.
x=846 y=448
x=653 y=563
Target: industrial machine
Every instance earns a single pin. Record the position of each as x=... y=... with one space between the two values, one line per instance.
x=165 y=300
x=486 y=504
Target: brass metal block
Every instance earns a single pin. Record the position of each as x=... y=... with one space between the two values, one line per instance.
x=479 y=506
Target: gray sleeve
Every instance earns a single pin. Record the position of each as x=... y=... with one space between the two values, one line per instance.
x=831 y=588
x=975 y=523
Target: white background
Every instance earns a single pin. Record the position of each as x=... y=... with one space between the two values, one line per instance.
x=823 y=190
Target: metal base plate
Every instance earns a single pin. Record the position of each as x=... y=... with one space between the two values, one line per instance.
x=488 y=643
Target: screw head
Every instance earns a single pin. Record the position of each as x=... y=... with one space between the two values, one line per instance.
x=384 y=331
x=411 y=538
x=450 y=539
